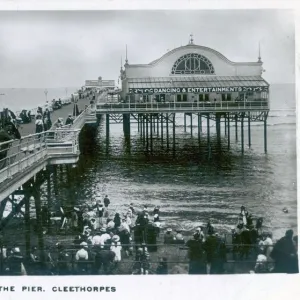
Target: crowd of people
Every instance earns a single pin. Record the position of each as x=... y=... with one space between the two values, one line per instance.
x=103 y=239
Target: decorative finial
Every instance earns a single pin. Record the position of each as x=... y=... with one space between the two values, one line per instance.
x=259 y=58
x=191 y=39
x=126 y=60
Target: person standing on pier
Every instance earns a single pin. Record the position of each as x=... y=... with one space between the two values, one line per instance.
x=39 y=126
x=69 y=120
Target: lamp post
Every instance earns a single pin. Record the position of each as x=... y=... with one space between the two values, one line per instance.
x=66 y=92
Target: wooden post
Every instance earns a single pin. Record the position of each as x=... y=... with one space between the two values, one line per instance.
x=39 y=224
x=199 y=135
x=162 y=129
x=107 y=125
x=208 y=136
x=225 y=125
x=167 y=129
x=184 y=122
x=157 y=125
x=228 y=130
x=249 y=130
x=191 y=125
x=27 y=224
x=265 y=132
x=147 y=140
x=151 y=135
x=200 y=123
x=174 y=116
x=144 y=133
x=236 y=128
x=242 y=132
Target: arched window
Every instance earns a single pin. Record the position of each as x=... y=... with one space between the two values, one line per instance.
x=193 y=63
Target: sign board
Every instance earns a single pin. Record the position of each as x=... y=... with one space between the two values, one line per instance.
x=199 y=90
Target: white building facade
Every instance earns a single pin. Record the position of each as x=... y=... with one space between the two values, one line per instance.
x=193 y=73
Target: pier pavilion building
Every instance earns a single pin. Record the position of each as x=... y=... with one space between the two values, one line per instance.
x=193 y=73
x=196 y=81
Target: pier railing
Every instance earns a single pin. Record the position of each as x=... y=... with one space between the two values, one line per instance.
x=176 y=256
x=225 y=106
x=18 y=155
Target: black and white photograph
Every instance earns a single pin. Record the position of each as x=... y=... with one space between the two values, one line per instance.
x=148 y=142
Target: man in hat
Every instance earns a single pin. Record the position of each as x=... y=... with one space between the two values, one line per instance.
x=178 y=238
x=63 y=260
x=82 y=257
x=169 y=236
x=96 y=240
x=284 y=254
x=104 y=237
x=116 y=247
x=69 y=120
x=196 y=255
x=15 y=263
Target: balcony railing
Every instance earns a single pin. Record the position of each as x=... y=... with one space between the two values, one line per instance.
x=224 y=106
x=18 y=155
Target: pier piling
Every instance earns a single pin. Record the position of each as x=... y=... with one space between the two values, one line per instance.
x=191 y=125
x=242 y=132
x=236 y=127
x=265 y=132
x=107 y=125
x=228 y=131
x=167 y=129
x=249 y=130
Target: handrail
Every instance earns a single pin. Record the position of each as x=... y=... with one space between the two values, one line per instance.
x=175 y=106
x=18 y=155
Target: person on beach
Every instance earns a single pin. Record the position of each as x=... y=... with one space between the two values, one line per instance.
x=261 y=265
x=169 y=236
x=104 y=237
x=284 y=254
x=131 y=208
x=15 y=263
x=117 y=220
x=62 y=260
x=106 y=201
x=195 y=255
x=82 y=257
x=116 y=248
x=209 y=228
x=156 y=210
x=142 y=259
x=178 y=238
x=104 y=260
x=162 y=268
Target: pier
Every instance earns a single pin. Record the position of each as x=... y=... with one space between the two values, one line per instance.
x=28 y=163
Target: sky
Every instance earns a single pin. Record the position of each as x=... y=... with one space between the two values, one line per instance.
x=44 y=49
